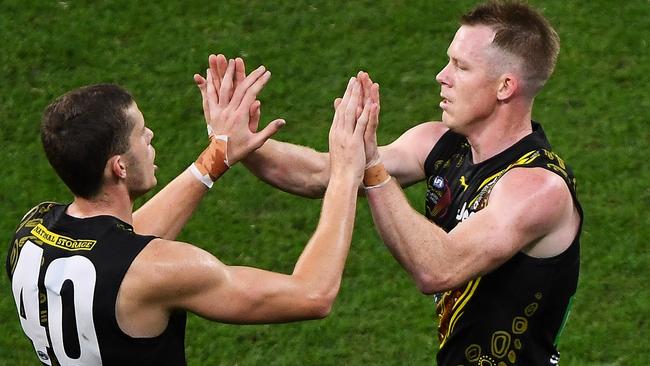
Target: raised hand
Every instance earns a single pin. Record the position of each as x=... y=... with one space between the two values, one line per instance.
x=228 y=103
x=347 y=154
x=218 y=65
x=371 y=96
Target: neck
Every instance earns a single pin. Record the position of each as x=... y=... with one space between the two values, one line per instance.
x=498 y=132
x=107 y=202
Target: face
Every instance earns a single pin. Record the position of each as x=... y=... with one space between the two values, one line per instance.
x=468 y=84
x=140 y=169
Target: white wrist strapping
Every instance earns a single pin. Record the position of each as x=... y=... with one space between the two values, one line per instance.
x=380 y=184
x=205 y=179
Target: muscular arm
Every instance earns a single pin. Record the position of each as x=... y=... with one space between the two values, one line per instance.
x=168 y=211
x=292 y=168
x=169 y=275
x=530 y=210
x=305 y=172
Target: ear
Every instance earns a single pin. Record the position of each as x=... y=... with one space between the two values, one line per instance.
x=508 y=86
x=117 y=166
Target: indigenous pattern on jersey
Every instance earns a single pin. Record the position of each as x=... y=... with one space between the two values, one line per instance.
x=65 y=275
x=515 y=314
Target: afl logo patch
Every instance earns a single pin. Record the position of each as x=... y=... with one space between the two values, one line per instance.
x=438 y=197
x=438 y=182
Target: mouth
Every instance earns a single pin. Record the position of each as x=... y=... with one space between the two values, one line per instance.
x=444 y=102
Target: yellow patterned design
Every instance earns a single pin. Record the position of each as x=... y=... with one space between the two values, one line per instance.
x=457 y=309
x=525 y=159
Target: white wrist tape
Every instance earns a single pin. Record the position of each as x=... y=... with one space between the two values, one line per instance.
x=205 y=179
x=212 y=162
x=380 y=184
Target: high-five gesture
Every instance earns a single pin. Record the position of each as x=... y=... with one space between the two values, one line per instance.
x=371 y=96
x=346 y=134
x=228 y=103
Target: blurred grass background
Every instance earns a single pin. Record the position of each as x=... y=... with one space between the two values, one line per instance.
x=594 y=109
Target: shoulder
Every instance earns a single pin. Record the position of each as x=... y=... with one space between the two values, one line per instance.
x=424 y=134
x=536 y=197
x=166 y=270
x=40 y=208
x=405 y=157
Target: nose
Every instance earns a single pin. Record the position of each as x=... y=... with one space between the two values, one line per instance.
x=442 y=76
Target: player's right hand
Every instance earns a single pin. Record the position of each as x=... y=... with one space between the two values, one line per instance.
x=346 y=147
x=229 y=103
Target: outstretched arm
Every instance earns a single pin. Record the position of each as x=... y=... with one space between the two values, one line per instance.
x=183 y=276
x=292 y=168
x=304 y=171
x=166 y=213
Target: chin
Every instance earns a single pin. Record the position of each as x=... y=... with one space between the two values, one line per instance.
x=447 y=120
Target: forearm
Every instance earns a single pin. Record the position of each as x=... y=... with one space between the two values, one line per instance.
x=166 y=213
x=321 y=264
x=292 y=168
x=416 y=243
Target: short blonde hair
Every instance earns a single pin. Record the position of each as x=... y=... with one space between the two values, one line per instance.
x=523 y=32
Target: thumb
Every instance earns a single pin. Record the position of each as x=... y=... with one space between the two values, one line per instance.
x=269 y=131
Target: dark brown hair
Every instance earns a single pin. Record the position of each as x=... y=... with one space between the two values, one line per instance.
x=522 y=31
x=81 y=130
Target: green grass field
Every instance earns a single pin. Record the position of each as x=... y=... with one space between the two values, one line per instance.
x=595 y=110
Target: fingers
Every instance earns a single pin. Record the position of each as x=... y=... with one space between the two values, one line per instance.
x=240 y=71
x=250 y=93
x=374 y=93
x=226 y=84
x=341 y=106
x=353 y=104
x=247 y=84
x=362 y=123
x=373 y=119
x=366 y=83
x=211 y=96
x=201 y=83
x=218 y=65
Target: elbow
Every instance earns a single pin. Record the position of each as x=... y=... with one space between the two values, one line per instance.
x=429 y=284
x=323 y=310
x=320 y=304
x=315 y=185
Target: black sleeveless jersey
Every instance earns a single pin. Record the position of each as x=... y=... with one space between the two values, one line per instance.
x=65 y=274
x=515 y=314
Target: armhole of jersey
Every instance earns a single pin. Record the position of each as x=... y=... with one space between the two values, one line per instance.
x=147 y=239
